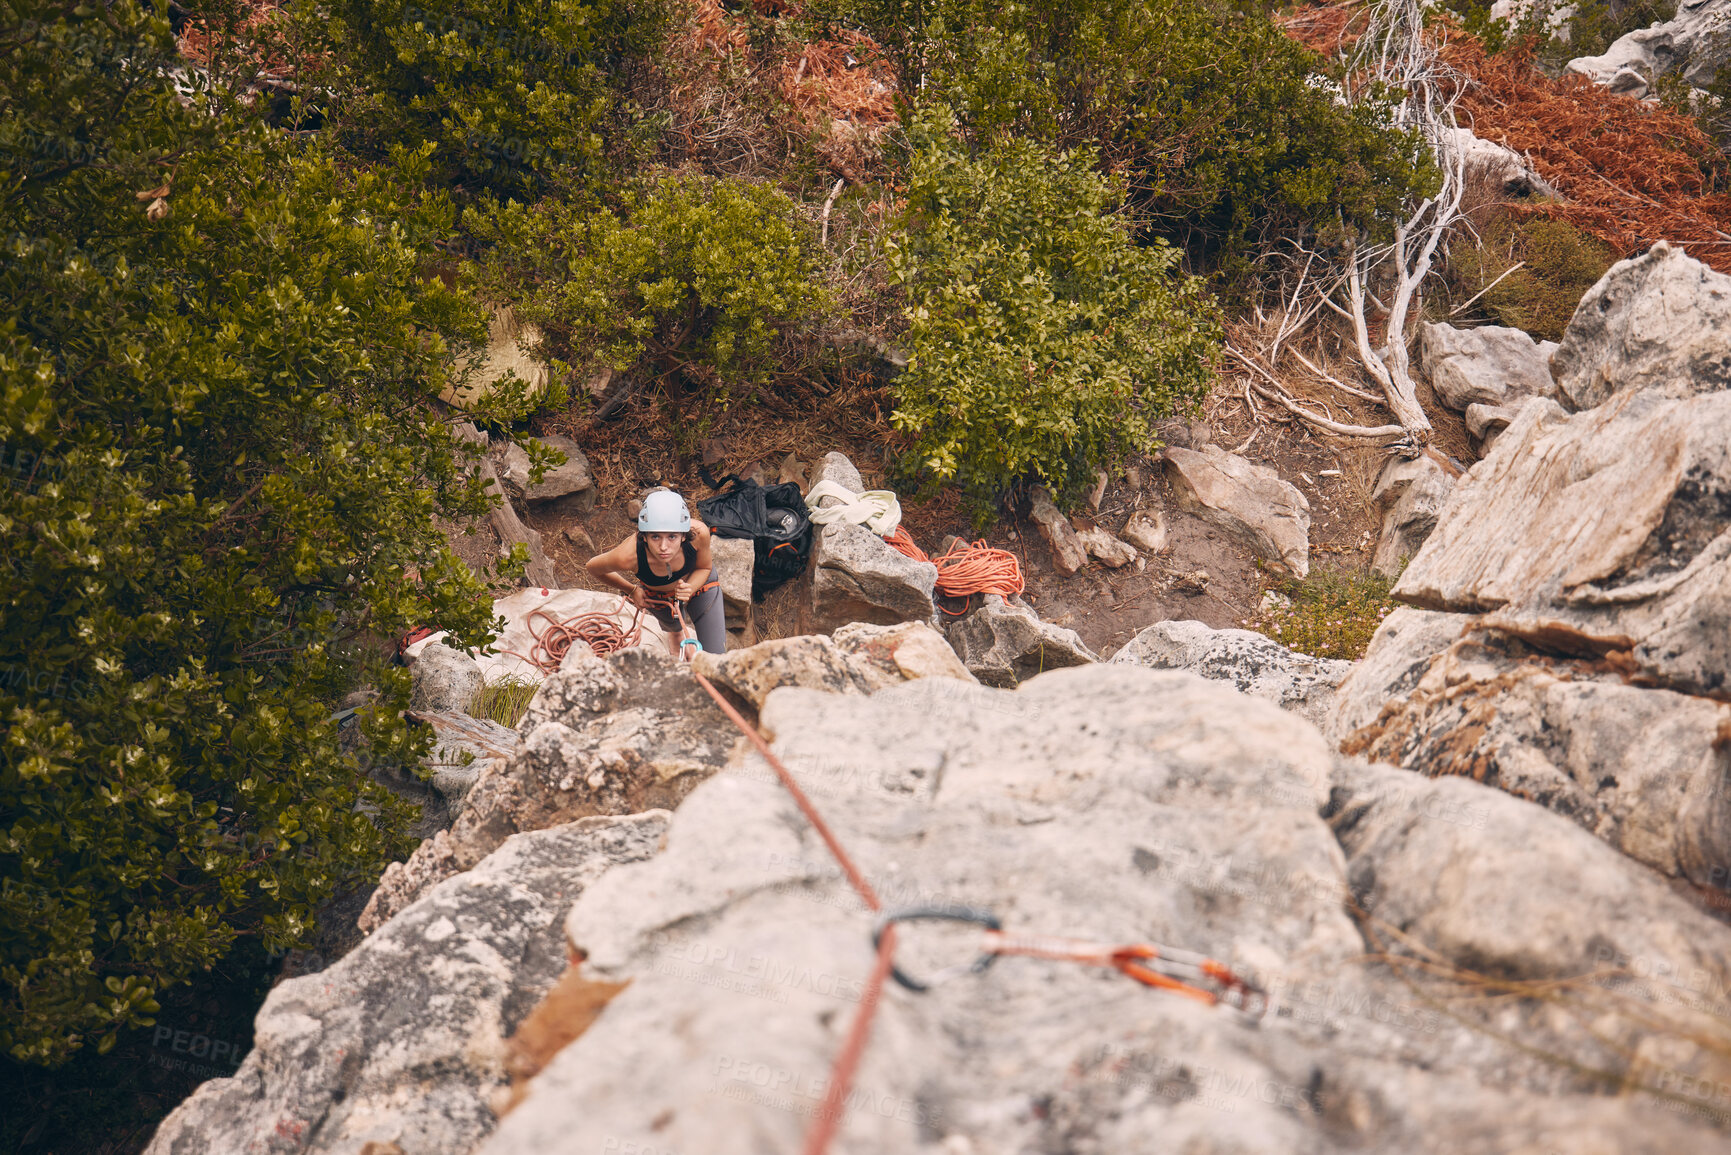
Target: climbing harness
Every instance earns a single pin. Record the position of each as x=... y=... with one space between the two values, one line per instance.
x=1197 y=976
x=964 y=570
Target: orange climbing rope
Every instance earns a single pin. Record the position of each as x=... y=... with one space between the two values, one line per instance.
x=600 y=631
x=966 y=569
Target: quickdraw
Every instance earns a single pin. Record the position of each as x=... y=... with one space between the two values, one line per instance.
x=1167 y=968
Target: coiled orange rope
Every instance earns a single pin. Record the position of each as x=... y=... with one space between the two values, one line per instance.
x=966 y=569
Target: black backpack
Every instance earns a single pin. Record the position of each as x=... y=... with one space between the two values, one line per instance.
x=774 y=517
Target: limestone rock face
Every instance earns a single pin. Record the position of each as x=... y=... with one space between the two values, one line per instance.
x=1399 y=654
x=735 y=559
x=855 y=577
x=1004 y=644
x=632 y=733
x=559 y=481
x=400 y=1044
x=1410 y=494
x=1660 y=321
x=1488 y=365
x=1695 y=42
x=1069 y=554
x=838 y=468
x=1250 y=502
x=860 y=659
x=884 y=656
x=1604 y=532
x=1642 y=769
x=1254 y=664
x=445 y=679
x=1113 y=804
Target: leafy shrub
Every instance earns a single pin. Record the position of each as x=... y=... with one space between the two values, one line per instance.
x=1042 y=341
x=1331 y=614
x=689 y=278
x=1561 y=264
x=511 y=94
x=218 y=495
x=1223 y=127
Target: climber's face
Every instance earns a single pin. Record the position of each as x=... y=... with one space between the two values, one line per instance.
x=663 y=547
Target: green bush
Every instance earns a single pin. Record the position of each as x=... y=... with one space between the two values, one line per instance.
x=690 y=278
x=513 y=95
x=1331 y=614
x=1042 y=340
x=218 y=491
x=1223 y=128
x=1561 y=264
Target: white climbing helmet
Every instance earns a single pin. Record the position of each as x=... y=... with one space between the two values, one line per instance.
x=663 y=512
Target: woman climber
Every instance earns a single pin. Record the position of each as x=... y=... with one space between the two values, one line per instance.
x=669 y=557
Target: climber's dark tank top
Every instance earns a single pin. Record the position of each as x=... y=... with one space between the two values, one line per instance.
x=649 y=579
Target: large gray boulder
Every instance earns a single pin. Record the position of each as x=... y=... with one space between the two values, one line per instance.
x=400 y=1046
x=859 y=659
x=1116 y=804
x=1005 y=643
x=735 y=561
x=1488 y=365
x=572 y=479
x=1660 y=321
x=1270 y=517
x=1606 y=532
x=1411 y=494
x=856 y=577
x=1399 y=654
x=1695 y=42
x=445 y=680
x=632 y=733
x=1253 y=663
x=1642 y=769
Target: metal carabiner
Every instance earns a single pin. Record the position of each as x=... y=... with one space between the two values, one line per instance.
x=952 y=913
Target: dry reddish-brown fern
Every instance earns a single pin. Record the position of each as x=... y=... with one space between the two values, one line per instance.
x=1633 y=173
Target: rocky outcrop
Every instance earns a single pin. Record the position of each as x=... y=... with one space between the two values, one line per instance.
x=462 y=746
x=1498 y=167
x=1254 y=664
x=1270 y=517
x=1658 y=322
x=568 y=485
x=855 y=577
x=1695 y=42
x=1645 y=770
x=445 y=679
x=859 y=659
x=1602 y=533
x=1399 y=654
x=400 y=1045
x=632 y=733
x=735 y=560
x=1069 y=554
x=1115 y=803
x=1410 y=493
x=1490 y=365
x=1005 y=643
x=1105 y=548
